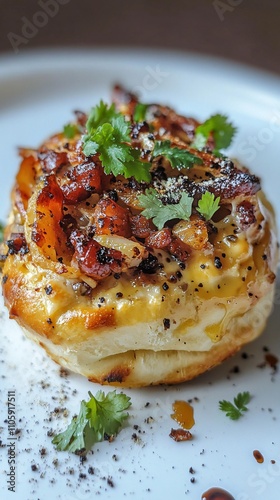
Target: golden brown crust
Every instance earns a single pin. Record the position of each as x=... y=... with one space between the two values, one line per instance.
x=148 y=367
x=121 y=302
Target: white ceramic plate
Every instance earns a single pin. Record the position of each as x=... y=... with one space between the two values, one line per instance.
x=38 y=92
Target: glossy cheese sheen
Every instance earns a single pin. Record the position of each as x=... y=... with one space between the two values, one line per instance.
x=200 y=281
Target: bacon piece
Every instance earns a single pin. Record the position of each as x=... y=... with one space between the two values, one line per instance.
x=111 y=218
x=93 y=259
x=236 y=183
x=140 y=226
x=47 y=232
x=164 y=118
x=179 y=249
x=226 y=184
x=51 y=161
x=81 y=181
x=159 y=239
x=173 y=124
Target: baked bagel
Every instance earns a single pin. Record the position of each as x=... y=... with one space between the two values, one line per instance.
x=135 y=253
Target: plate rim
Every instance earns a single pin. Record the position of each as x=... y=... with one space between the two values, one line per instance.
x=40 y=56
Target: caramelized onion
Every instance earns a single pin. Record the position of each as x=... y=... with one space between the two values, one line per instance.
x=25 y=181
x=193 y=233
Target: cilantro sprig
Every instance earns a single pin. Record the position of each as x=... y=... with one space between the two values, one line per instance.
x=108 y=135
x=236 y=409
x=70 y=130
x=154 y=208
x=208 y=205
x=222 y=129
x=99 y=417
x=178 y=158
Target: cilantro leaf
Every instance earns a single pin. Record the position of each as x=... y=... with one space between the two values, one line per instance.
x=121 y=129
x=178 y=158
x=154 y=208
x=101 y=415
x=106 y=414
x=108 y=135
x=223 y=132
x=136 y=168
x=140 y=110
x=230 y=410
x=241 y=400
x=116 y=157
x=106 y=129
x=70 y=130
x=236 y=410
x=200 y=141
x=90 y=147
x=208 y=205
x=74 y=437
x=100 y=114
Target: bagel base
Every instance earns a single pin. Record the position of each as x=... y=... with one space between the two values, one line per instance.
x=138 y=326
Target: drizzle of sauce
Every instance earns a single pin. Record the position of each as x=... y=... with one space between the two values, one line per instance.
x=183 y=414
x=217 y=494
x=258 y=456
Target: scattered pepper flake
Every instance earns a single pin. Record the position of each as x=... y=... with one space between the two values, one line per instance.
x=166 y=323
x=217 y=262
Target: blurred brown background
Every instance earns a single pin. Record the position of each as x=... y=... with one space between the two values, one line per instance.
x=247 y=31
